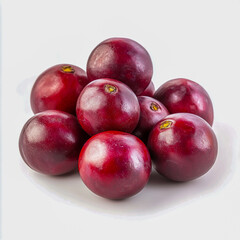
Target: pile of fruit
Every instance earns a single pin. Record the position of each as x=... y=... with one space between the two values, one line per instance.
x=111 y=123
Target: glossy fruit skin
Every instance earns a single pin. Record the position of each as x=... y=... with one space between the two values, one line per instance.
x=122 y=59
x=58 y=88
x=183 y=95
x=114 y=164
x=50 y=142
x=183 y=147
x=151 y=112
x=149 y=91
x=98 y=109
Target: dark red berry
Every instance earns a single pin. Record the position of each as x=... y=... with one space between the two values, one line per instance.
x=183 y=95
x=58 y=88
x=50 y=142
x=151 y=112
x=183 y=146
x=107 y=104
x=122 y=59
x=114 y=164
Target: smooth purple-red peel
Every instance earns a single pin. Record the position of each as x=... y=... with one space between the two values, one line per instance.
x=122 y=59
x=50 y=142
x=58 y=88
x=149 y=91
x=183 y=146
x=114 y=164
x=183 y=95
x=107 y=104
x=151 y=112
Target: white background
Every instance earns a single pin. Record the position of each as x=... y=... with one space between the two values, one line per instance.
x=199 y=40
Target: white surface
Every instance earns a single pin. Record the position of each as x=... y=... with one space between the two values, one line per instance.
x=199 y=40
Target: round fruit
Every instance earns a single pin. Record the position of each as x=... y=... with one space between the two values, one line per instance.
x=107 y=104
x=50 y=142
x=122 y=59
x=58 y=88
x=183 y=146
x=149 y=91
x=183 y=95
x=114 y=164
x=151 y=112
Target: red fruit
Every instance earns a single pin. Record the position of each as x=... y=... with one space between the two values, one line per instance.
x=107 y=104
x=114 y=164
x=183 y=95
x=58 y=88
x=183 y=146
x=149 y=91
x=122 y=59
x=50 y=142
x=151 y=112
